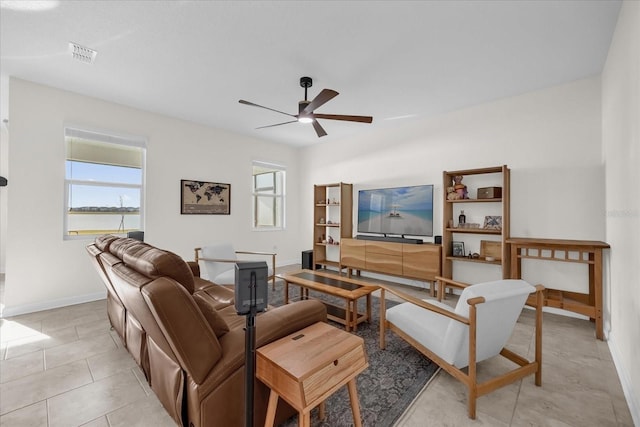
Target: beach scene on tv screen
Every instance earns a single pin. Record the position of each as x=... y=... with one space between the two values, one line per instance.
x=398 y=211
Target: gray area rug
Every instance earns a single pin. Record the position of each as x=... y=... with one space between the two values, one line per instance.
x=394 y=378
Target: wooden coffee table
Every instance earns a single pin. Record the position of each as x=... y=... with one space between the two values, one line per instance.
x=342 y=287
x=308 y=366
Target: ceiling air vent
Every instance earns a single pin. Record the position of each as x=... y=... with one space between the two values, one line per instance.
x=81 y=53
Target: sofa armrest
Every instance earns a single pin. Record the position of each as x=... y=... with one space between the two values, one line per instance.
x=270 y=326
x=287 y=319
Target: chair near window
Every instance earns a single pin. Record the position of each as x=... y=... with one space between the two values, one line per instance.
x=219 y=261
x=477 y=329
x=138 y=235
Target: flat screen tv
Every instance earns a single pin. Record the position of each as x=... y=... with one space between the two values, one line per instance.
x=396 y=211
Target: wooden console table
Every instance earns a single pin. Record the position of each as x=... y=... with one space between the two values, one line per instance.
x=421 y=262
x=588 y=252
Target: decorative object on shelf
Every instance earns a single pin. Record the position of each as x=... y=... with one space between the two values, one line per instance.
x=451 y=223
x=490 y=250
x=452 y=194
x=492 y=223
x=330 y=240
x=321 y=221
x=490 y=193
x=201 y=197
x=462 y=218
x=460 y=188
x=470 y=225
x=457 y=249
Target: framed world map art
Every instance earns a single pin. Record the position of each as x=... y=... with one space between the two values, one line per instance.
x=201 y=197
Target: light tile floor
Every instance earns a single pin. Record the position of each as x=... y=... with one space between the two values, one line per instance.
x=64 y=367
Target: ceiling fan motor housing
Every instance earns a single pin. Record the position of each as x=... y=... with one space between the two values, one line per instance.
x=306 y=82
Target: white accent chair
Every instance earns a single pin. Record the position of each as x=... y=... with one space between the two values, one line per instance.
x=219 y=261
x=477 y=329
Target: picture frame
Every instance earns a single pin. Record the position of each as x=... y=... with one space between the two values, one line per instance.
x=457 y=249
x=492 y=223
x=204 y=198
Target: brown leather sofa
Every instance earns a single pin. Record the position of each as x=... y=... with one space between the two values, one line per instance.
x=185 y=334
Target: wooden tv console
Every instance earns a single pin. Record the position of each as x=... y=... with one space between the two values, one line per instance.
x=408 y=260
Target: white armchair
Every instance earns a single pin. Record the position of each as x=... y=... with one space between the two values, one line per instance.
x=219 y=262
x=477 y=329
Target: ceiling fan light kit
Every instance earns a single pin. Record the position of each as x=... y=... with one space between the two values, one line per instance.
x=306 y=109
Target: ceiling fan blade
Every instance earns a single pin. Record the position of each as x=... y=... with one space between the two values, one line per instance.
x=319 y=129
x=324 y=96
x=361 y=119
x=277 y=124
x=242 y=101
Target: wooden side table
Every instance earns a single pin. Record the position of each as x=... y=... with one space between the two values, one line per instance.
x=307 y=367
x=588 y=252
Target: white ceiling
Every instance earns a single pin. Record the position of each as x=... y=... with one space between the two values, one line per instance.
x=393 y=60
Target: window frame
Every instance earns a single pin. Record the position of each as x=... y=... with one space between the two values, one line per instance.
x=108 y=137
x=278 y=198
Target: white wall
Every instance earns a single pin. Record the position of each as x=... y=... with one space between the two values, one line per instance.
x=549 y=138
x=4 y=166
x=43 y=270
x=621 y=152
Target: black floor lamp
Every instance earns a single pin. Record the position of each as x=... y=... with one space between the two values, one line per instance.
x=251 y=293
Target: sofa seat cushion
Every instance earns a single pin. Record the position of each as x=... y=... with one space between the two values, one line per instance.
x=232 y=318
x=424 y=326
x=218 y=296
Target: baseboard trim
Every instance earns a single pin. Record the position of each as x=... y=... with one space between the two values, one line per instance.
x=48 y=305
x=630 y=394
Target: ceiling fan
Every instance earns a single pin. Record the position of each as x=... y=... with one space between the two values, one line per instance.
x=306 y=109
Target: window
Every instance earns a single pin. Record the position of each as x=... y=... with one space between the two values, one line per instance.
x=268 y=196
x=104 y=189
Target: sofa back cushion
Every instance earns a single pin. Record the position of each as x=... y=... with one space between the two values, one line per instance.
x=155 y=263
x=120 y=245
x=103 y=242
x=215 y=321
x=183 y=325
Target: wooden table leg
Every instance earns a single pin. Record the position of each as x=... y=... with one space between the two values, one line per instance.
x=347 y=316
x=322 y=411
x=271 y=409
x=595 y=290
x=304 y=419
x=355 y=405
x=354 y=314
x=286 y=292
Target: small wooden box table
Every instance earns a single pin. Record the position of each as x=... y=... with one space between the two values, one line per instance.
x=307 y=367
x=348 y=289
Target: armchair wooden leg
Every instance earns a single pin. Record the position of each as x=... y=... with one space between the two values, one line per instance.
x=383 y=311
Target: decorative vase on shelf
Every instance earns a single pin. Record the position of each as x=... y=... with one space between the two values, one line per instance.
x=462 y=218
